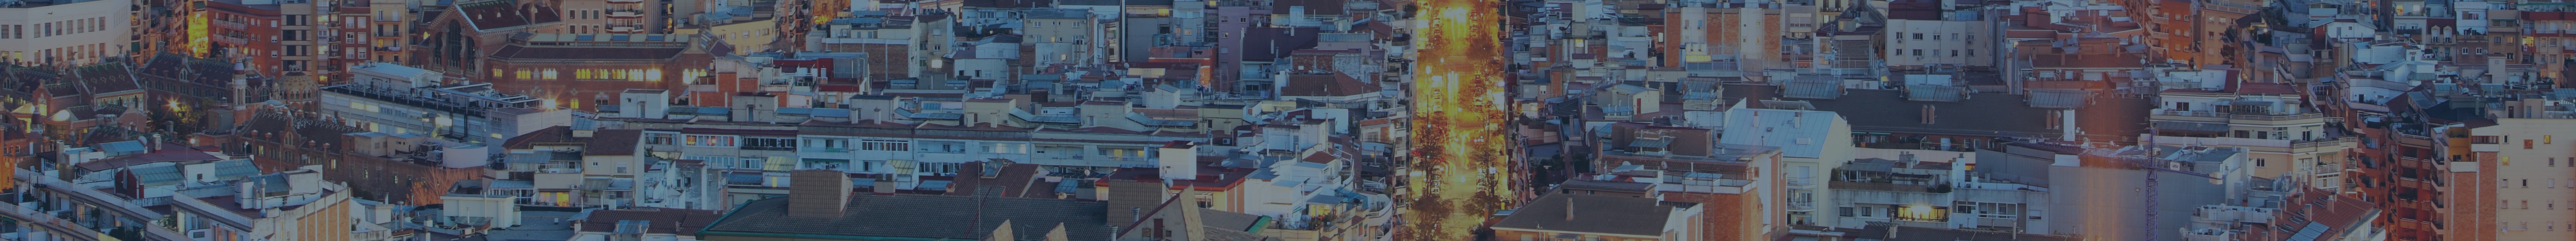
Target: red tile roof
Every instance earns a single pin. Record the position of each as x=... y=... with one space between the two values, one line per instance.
x=586 y=53
x=505 y=14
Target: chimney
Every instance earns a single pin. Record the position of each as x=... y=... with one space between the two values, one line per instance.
x=1190 y=216
x=1569 y=208
x=884 y=186
x=817 y=193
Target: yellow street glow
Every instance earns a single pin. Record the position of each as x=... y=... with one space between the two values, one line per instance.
x=1462 y=175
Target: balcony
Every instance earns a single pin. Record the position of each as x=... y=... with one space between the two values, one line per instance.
x=769 y=148
x=1802 y=206
x=2266 y=117
x=230 y=39
x=625 y=14
x=229 y=24
x=625 y=30
x=2315 y=145
x=1886 y=187
x=625 y=1
x=2195 y=116
x=1801 y=182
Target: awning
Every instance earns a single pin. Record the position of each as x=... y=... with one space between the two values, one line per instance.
x=743 y=178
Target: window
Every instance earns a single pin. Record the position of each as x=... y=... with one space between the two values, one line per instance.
x=940 y=168
x=943 y=147
x=709 y=140
x=751 y=162
x=884 y=145
x=1846 y=211
x=774 y=144
x=659 y=138
x=1006 y=148
x=2260 y=162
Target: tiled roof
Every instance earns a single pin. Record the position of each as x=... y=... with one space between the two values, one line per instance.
x=505 y=14
x=586 y=53
x=1591 y=214
x=922 y=217
x=107 y=78
x=553 y=134
x=619 y=142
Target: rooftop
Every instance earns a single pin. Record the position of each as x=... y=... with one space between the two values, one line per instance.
x=1590 y=214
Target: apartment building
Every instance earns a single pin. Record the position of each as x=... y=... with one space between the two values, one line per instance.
x=1925 y=34
x=1812 y=144
x=294 y=204
x=885 y=40
x=615 y=16
x=64 y=32
x=2532 y=191
x=388 y=30
x=2286 y=136
x=273 y=37
x=398 y=100
x=1738 y=185
x=580 y=71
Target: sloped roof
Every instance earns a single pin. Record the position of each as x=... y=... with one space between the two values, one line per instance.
x=617 y=142
x=1591 y=214
x=587 y=53
x=110 y=77
x=486 y=16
